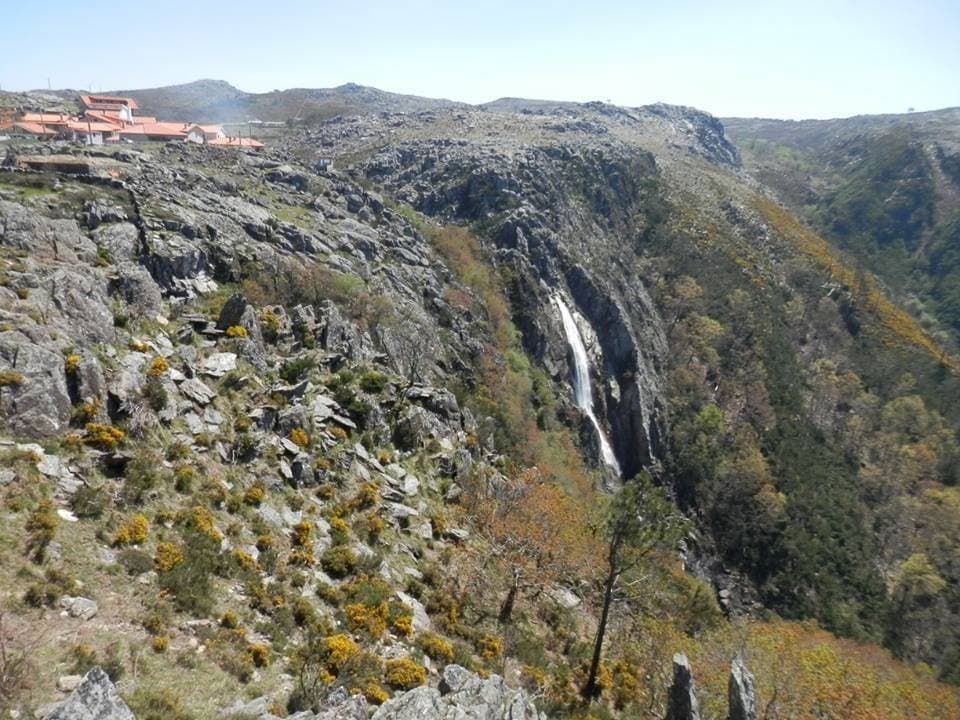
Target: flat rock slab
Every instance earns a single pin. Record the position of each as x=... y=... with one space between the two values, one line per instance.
x=197 y=391
x=219 y=364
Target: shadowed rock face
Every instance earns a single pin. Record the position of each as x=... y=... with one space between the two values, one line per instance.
x=94 y=699
x=682 y=703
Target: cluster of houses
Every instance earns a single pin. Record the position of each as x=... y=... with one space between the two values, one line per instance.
x=107 y=119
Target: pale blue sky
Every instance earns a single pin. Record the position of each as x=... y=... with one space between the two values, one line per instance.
x=805 y=58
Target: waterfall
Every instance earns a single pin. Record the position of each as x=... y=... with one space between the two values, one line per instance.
x=583 y=394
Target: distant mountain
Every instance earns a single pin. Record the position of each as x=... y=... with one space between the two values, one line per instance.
x=219 y=101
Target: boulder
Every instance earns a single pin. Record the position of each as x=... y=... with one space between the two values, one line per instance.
x=138 y=289
x=415 y=427
x=337 y=334
x=80 y=298
x=39 y=405
x=421 y=619
x=303 y=320
x=287 y=175
x=682 y=702
x=439 y=401
x=301 y=470
x=741 y=692
x=293 y=417
x=258 y=707
x=339 y=705
x=79 y=607
x=95 y=698
x=237 y=312
x=87 y=383
x=119 y=240
x=69 y=683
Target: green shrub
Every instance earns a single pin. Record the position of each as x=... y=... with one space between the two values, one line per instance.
x=246 y=446
x=155 y=394
x=191 y=580
x=373 y=381
x=46 y=592
x=135 y=562
x=183 y=477
x=405 y=673
x=292 y=371
x=435 y=647
x=178 y=451
x=142 y=474
x=41 y=527
x=151 y=703
x=338 y=561
x=88 y=502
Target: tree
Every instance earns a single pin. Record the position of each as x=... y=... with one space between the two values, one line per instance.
x=638 y=520
x=537 y=532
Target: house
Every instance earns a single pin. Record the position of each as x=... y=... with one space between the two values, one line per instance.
x=205 y=133
x=236 y=142
x=110 y=119
x=123 y=107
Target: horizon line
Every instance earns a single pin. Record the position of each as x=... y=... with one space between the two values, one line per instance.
x=481 y=105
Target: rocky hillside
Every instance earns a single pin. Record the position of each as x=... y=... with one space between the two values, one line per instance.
x=885 y=188
x=283 y=433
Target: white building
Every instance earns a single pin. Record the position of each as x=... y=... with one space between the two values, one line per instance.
x=201 y=134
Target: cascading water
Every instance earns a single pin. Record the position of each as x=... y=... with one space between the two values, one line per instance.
x=583 y=394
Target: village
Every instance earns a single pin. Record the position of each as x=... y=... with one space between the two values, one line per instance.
x=107 y=120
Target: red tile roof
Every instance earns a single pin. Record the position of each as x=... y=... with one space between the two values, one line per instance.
x=33 y=128
x=93 y=100
x=172 y=130
x=46 y=118
x=84 y=126
x=106 y=116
